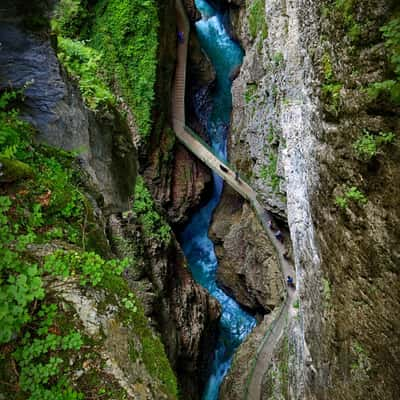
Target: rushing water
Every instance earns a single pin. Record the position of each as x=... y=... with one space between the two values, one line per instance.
x=235 y=323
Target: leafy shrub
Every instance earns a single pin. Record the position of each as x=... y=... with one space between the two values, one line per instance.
x=390 y=87
x=125 y=32
x=90 y=267
x=152 y=223
x=40 y=369
x=367 y=146
x=20 y=281
x=69 y=17
x=353 y=28
x=331 y=94
x=14 y=133
x=257 y=21
x=354 y=194
x=351 y=194
x=83 y=63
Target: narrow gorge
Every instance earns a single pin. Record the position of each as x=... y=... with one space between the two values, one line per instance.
x=199 y=199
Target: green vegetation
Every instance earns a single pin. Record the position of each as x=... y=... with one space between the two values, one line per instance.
x=351 y=194
x=331 y=94
x=368 y=145
x=278 y=58
x=69 y=18
x=83 y=63
x=125 y=32
x=331 y=88
x=268 y=172
x=41 y=340
x=390 y=87
x=257 y=21
x=89 y=266
x=271 y=134
x=353 y=28
x=327 y=67
x=152 y=223
x=327 y=289
x=361 y=366
x=118 y=39
x=251 y=89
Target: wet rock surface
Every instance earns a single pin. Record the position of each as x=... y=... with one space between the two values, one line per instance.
x=248 y=267
x=53 y=105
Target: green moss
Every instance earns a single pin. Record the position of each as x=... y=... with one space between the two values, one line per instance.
x=14 y=170
x=327 y=67
x=257 y=22
x=269 y=172
x=278 y=59
x=327 y=289
x=251 y=89
x=157 y=364
x=346 y=12
x=152 y=352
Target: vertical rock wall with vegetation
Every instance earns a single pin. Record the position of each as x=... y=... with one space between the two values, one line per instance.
x=89 y=84
x=325 y=76
x=136 y=46
x=71 y=327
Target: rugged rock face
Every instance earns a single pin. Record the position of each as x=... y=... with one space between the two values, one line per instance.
x=180 y=307
x=256 y=140
x=235 y=383
x=248 y=268
x=183 y=312
x=54 y=106
x=121 y=358
x=306 y=78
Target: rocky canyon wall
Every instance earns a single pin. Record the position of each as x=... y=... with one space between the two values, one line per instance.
x=181 y=311
x=300 y=105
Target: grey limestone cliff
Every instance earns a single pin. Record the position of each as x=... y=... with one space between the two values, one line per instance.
x=301 y=97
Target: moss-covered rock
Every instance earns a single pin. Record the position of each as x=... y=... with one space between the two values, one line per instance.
x=14 y=170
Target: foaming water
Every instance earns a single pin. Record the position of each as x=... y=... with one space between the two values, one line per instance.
x=235 y=323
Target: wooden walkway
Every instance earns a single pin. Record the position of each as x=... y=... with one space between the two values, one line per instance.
x=205 y=154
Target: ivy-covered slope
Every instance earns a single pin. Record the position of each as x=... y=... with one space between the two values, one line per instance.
x=121 y=37
x=71 y=328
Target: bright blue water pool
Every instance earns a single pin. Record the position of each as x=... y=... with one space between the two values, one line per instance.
x=235 y=323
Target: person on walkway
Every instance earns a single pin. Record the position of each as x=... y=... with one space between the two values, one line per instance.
x=181 y=37
x=286 y=254
x=289 y=281
x=237 y=175
x=279 y=236
x=270 y=226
